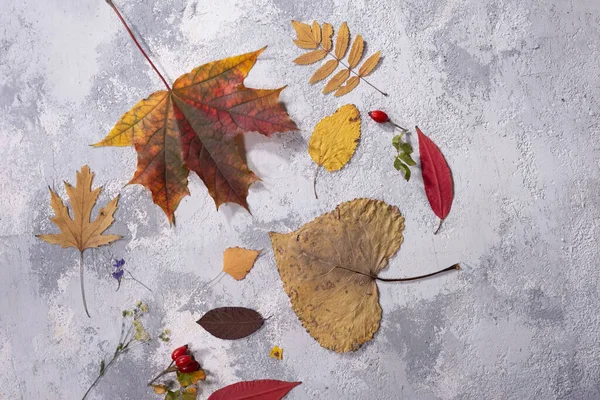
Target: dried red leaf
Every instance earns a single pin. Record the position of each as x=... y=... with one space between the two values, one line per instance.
x=266 y=389
x=437 y=177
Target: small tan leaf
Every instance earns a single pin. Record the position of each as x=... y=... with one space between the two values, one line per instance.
x=342 y=40
x=316 y=31
x=324 y=71
x=336 y=81
x=326 y=36
x=303 y=31
x=369 y=64
x=348 y=87
x=356 y=51
x=311 y=57
x=303 y=44
x=237 y=262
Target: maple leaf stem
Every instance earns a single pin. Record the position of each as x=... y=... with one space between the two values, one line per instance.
x=352 y=70
x=116 y=10
x=438 y=228
x=82 y=286
x=450 y=268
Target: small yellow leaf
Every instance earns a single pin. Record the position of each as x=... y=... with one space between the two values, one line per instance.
x=305 y=44
x=324 y=71
x=160 y=389
x=303 y=31
x=369 y=64
x=351 y=83
x=311 y=57
x=316 y=31
x=191 y=390
x=237 y=261
x=335 y=137
x=336 y=81
x=277 y=352
x=356 y=51
x=342 y=40
x=327 y=32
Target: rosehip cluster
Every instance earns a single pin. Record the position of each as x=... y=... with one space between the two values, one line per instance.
x=184 y=360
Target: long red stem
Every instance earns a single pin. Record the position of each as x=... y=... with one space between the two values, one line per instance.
x=110 y=3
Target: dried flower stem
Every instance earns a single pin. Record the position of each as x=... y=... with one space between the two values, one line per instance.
x=450 y=268
x=81 y=283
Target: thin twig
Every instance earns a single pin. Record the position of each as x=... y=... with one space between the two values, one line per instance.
x=137 y=281
x=315 y=181
x=450 y=268
x=110 y=3
x=166 y=371
x=81 y=282
x=352 y=70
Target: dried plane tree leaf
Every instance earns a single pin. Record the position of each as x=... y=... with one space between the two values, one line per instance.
x=237 y=262
x=334 y=139
x=319 y=39
x=79 y=231
x=329 y=269
x=231 y=323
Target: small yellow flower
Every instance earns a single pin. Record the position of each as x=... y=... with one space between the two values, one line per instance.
x=277 y=352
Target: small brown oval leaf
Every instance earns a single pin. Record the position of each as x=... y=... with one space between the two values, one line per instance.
x=324 y=71
x=336 y=81
x=231 y=323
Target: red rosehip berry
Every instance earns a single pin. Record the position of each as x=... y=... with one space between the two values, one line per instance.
x=184 y=361
x=379 y=116
x=191 y=367
x=178 y=352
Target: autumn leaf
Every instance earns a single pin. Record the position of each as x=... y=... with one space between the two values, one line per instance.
x=231 y=323
x=191 y=378
x=318 y=39
x=276 y=352
x=192 y=126
x=437 y=177
x=79 y=232
x=160 y=389
x=329 y=269
x=265 y=389
x=237 y=261
x=334 y=139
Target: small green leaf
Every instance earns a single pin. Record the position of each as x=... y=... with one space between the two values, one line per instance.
x=397 y=142
x=398 y=163
x=191 y=378
x=406 y=148
x=176 y=395
x=407 y=159
x=404 y=168
x=102 y=367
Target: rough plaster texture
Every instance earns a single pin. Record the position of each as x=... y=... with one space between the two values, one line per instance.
x=509 y=89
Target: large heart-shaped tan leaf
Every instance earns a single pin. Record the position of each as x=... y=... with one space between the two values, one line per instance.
x=328 y=268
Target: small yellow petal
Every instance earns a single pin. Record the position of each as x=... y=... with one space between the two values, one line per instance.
x=277 y=352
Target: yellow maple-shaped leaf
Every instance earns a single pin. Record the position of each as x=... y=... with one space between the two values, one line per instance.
x=237 y=261
x=329 y=266
x=79 y=231
x=276 y=352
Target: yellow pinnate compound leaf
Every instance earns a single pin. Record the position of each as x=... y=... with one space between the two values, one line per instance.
x=369 y=65
x=324 y=71
x=356 y=51
x=326 y=33
x=342 y=40
x=316 y=32
x=237 y=261
x=328 y=268
x=311 y=57
x=336 y=81
x=351 y=83
x=304 y=32
x=335 y=137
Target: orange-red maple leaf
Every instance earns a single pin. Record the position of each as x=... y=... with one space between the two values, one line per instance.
x=193 y=127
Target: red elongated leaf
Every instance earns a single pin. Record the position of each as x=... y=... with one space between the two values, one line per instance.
x=231 y=323
x=265 y=389
x=437 y=177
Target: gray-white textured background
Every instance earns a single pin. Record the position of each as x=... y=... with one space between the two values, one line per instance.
x=509 y=89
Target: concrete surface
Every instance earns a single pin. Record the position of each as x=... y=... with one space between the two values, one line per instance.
x=508 y=89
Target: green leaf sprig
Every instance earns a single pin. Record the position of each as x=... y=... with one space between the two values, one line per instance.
x=403 y=159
